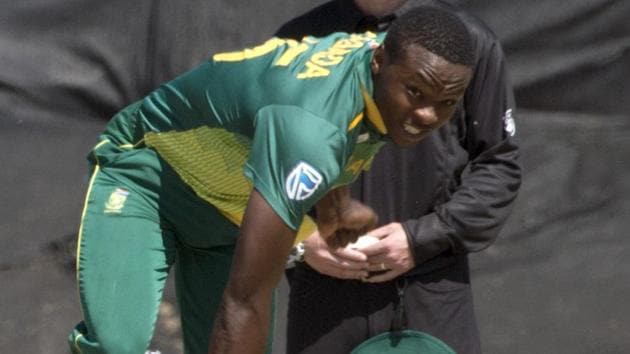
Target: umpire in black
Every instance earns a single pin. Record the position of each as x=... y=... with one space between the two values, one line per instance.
x=448 y=196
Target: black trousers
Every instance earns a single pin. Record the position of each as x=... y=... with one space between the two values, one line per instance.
x=333 y=316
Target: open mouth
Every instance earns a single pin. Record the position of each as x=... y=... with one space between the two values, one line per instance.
x=412 y=129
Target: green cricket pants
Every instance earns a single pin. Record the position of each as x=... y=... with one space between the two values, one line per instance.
x=139 y=219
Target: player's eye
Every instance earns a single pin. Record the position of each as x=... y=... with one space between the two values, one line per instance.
x=413 y=92
x=449 y=103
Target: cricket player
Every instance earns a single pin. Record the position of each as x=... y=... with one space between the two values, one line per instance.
x=214 y=172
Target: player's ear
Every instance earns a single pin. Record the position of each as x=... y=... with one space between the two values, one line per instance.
x=377 y=59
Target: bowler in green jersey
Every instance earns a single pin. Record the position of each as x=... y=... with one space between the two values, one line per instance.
x=214 y=172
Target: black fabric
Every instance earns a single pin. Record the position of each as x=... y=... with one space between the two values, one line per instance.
x=572 y=57
x=329 y=315
x=86 y=59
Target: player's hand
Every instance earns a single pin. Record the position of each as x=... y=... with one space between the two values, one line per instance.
x=342 y=263
x=341 y=219
x=340 y=225
x=355 y=220
x=391 y=256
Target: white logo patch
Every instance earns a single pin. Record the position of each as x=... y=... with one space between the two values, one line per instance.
x=508 y=121
x=116 y=201
x=302 y=181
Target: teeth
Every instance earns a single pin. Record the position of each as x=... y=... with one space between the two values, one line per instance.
x=411 y=129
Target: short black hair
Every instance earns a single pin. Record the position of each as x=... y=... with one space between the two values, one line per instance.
x=437 y=30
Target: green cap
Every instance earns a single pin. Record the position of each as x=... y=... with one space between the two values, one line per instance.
x=403 y=342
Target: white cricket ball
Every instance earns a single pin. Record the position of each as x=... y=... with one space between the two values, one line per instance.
x=363 y=242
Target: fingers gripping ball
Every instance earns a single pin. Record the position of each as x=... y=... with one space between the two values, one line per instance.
x=363 y=242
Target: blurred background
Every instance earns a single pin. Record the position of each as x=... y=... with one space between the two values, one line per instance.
x=556 y=281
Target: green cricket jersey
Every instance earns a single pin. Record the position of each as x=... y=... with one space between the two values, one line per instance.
x=285 y=117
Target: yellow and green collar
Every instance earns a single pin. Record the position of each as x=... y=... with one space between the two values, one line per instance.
x=372 y=112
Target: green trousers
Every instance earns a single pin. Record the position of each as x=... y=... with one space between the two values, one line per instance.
x=139 y=220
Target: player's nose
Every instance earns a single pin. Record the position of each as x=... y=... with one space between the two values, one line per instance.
x=425 y=115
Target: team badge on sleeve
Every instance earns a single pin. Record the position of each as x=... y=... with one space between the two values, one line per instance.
x=508 y=121
x=302 y=181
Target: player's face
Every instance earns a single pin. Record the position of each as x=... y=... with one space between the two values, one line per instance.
x=416 y=93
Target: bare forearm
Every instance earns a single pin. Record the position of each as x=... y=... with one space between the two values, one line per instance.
x=244 y=330
x=328 y=208
x=242 y=322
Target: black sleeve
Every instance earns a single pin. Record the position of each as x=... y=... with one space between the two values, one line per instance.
x=470 y=220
